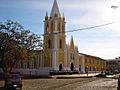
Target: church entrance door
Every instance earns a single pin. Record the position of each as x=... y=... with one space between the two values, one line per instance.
x=72 y=67
x=60 y=67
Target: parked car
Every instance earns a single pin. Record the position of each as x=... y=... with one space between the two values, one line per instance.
x=110 y=74
x=13 y=81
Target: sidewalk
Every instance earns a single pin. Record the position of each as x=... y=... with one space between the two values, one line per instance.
x=75 y=75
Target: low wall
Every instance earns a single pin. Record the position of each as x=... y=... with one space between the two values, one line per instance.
x=36 y=72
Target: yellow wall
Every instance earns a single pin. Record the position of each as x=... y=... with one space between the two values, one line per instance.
x=49 y=25
x=93 y=63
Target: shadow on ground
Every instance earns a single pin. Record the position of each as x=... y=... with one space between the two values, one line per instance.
x=2 y=88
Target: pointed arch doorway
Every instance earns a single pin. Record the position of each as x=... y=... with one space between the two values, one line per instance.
x=72 y=67
x=60 y=67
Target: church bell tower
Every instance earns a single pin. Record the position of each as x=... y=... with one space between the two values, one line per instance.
x=54 y=39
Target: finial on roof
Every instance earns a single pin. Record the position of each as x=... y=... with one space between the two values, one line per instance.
x=46 y=13
x=63 y=17
x=55 y=9
x=46 y=17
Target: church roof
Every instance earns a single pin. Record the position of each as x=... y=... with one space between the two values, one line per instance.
x=55 y=9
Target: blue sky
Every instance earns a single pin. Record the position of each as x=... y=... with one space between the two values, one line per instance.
x=102 y=42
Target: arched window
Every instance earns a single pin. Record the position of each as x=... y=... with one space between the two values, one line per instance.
x=28 y=64
x=73 y=56
x=59 y=27
x=60 y=43
x=47 y=28
x=63 y=26
x=52 y=25
x=49 y=43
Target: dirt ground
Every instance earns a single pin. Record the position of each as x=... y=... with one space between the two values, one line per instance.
x=68 y=84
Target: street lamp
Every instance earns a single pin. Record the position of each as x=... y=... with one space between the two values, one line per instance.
x=114 y=7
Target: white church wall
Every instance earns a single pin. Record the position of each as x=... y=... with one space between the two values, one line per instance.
x=40 y=71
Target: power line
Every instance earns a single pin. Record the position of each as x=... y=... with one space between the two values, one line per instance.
x=92 y=27
x=86 y=28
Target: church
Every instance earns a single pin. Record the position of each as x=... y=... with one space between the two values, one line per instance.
x=59 y=56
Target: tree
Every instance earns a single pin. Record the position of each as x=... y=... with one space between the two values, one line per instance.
x=16 y=44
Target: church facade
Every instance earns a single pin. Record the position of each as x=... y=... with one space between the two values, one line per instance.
x=58 y=55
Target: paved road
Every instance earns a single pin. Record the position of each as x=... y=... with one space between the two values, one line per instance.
x=102 y=84
x=99 y=84
x=69 y=84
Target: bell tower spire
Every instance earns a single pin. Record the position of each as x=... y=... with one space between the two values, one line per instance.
x=55 y=10
x=54 y=42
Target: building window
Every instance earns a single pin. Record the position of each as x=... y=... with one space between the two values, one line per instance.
x=93 y=61
x=46 y=28
x=59 y=27
x=21 y=64
x=85 y=60
x=90 y=61
x=97 y=69
x=51 y=25
x=49 y=43
x=63 y=28
x=28 y=64
x=60 y=43
x=71 y=56
x=90 y=68
x=93 y=68
x=97 y=62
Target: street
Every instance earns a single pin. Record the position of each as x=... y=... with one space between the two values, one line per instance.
x=68 y=84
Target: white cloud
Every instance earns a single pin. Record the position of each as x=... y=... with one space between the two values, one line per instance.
x=90 y=13
x=105 y=50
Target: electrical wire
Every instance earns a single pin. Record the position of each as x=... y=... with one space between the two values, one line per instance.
x=92 y=27
x=86 y=28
